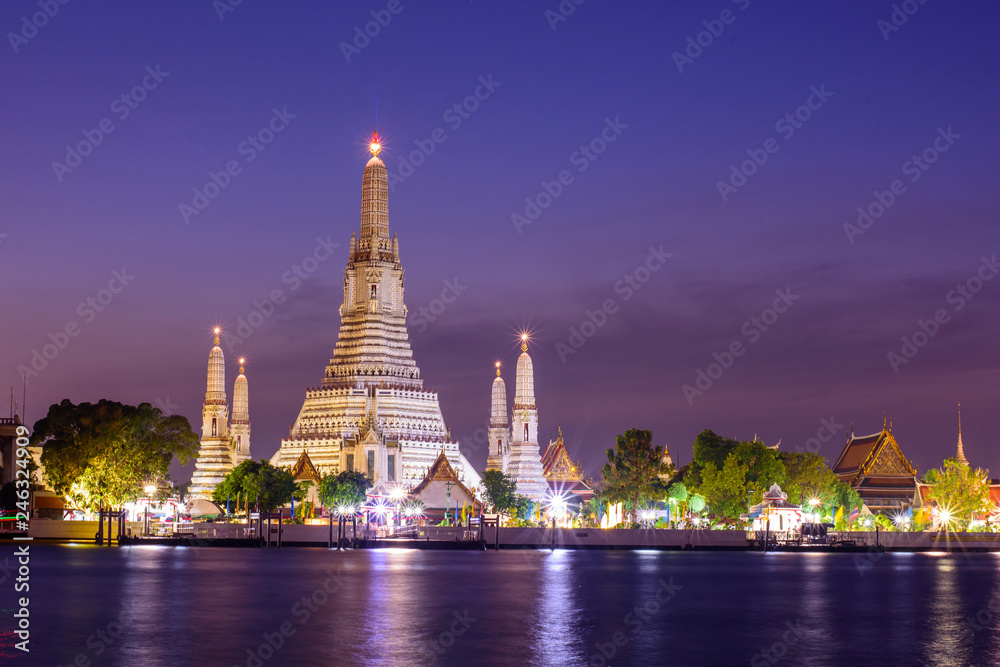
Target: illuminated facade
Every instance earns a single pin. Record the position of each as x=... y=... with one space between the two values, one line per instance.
x=875 y=467
x=514 y=449
x=222 y=447
x=371 y=412
x=562 y=475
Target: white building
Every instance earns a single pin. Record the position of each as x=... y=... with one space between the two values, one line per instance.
x=222 y=448
x=371 y=412
x=515 y=450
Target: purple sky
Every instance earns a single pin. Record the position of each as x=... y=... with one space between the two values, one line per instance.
x=656 y=184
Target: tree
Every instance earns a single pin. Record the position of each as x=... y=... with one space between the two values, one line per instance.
x=764 y=467
x=697 y=502
x=959 y=491
x=633 y=468
x=808 y=477
x=345 y=489
x=726 y=489
x=709 y=449
x=499 y=490
x=258 y=483
x=103 y=454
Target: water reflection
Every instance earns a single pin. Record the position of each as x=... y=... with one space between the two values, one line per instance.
x=944 y=645
x=557 y=613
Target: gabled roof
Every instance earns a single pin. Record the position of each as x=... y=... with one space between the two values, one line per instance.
x=304 y=469
x=775 y=493
x=556 y=463
x=441 y=471
x=877 y=454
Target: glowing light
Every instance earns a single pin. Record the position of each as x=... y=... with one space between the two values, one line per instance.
x=558 y=504
x=814 y=501
x=376 y=145
x=150 y=489
x=242 y=360
x=397 y=494
x=217 y=330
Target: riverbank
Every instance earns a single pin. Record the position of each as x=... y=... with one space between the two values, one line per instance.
x=438 y=538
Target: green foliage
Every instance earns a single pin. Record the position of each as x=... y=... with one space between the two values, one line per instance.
x=499 y=490
x=709 y=449
x=844 y=496
x=726 y=489
x=961 y=490
x=633 y=469
x=697 y=502
x=677 y=492
x=345 y=489
x=807 y=476
x=104 y=453
x=302 y=490
x=884 y=522
x=522 y=507
x=257 y=483
x=748 y=469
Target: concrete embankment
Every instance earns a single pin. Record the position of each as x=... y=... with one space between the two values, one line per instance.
x=434 y=537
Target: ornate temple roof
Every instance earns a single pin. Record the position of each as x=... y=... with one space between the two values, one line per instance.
x=441 y=471
x=556 y=462
x=561 y=473
x=875 y=455
x=775 y=493
x=305 y=470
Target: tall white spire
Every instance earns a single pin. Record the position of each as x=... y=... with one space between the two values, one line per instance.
x=499 y=431
x=374 y=241
x=215 y=412
x=214 y=456
x=371 y=413
x=241 y=418
x=216 y=391
x=525 y=460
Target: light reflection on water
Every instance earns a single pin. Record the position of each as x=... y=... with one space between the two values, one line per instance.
x=188 y=606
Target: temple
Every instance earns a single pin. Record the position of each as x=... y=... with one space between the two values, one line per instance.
x=514 y=449
x=562 y=474
x=443 y=493
x=222 y=448
x=874 y=466
x=371 y=412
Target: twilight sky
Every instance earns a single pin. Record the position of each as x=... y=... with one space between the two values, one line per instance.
x=880 y=97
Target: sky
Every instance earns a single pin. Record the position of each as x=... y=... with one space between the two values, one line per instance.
x=806 y=186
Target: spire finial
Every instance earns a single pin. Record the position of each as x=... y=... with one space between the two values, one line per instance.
x=217 y=332
x=375 y=146
x=524 y=342
x=242 y=362
x=498 y=368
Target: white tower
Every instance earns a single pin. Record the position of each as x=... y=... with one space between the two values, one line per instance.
x=499 y=431
x=371 y=412
x=241 y=419
x=214 y=459
x=525 y=464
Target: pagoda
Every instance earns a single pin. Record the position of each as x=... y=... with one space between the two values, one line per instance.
x=371 y=412
x=223 y=445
